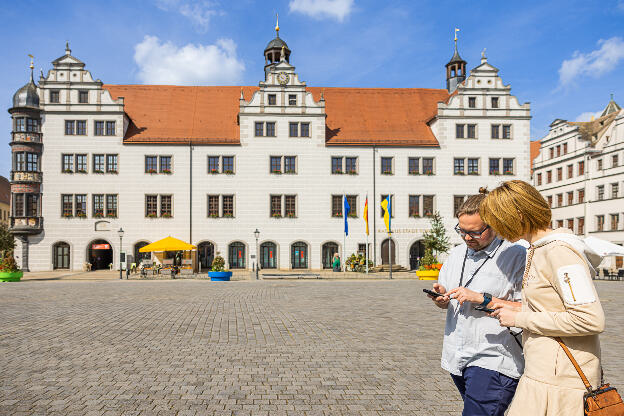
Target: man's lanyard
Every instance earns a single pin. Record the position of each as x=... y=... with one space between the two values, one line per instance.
x=478 y=268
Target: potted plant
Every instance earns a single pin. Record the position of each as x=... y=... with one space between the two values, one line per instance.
x=357 y=263
x=276 y=215
x=229 y=172
x=218 y=272
x=436 y=242
x=111 y=214
x=165 y=215
x=9 y=272
x=98 y=171
x=214 y=215
x=152 y=215
x=81 y=214
x=214 y=171
x=67 y=215
x=166 y=171
x=98 y=214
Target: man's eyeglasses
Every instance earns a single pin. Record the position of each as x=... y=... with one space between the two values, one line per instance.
x=473 y=234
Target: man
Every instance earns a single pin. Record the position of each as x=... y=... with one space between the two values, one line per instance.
x=485 y=361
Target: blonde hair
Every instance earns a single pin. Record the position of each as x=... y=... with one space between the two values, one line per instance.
x=471 y=205
x=515 y=209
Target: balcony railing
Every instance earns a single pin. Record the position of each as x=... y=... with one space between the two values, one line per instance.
x=26 y=137
x=19 y=176
x=26 y=225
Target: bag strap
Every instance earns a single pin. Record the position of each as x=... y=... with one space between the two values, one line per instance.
x=575 y=364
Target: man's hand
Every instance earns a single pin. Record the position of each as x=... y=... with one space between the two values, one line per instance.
x=505 y=314
x=463 y=294
x=440 y=301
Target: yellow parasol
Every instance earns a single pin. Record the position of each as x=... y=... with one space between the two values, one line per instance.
x=167 y=244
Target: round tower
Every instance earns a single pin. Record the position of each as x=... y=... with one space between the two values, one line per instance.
x=273 y=51
x=455 y=69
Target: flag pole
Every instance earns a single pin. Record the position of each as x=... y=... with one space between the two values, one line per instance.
x=390 y=251
x=366 y=251
x=344 y=235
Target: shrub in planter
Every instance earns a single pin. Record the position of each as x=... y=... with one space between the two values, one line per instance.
x=9 y=272
x=218 y=264
x=218 y=272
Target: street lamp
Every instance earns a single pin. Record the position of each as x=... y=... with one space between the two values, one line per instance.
x=257 y=234
x=120 y=233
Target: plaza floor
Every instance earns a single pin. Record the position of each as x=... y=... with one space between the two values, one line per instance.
x=186 y=347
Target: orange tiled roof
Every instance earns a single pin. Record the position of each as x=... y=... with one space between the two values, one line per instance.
x=208 y=115
x=535 y=149
x=5 y=191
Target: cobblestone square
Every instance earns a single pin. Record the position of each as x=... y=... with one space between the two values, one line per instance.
x=239 y=348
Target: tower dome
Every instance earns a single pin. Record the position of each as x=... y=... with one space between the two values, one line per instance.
x=27 y=96
x=273 y=51
x=455 y=69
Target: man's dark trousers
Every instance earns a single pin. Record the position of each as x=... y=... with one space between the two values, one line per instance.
x=485 y=392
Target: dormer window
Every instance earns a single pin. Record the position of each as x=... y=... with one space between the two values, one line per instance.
x=272 y=99
x=292 y=99
x=83 y=97
x=472 y=102
x=494 y=102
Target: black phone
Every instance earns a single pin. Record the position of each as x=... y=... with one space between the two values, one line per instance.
x=432 y=293
x=484 y=309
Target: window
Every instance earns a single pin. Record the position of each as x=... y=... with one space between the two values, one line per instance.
x=599 y=163
x=386 y=166
x=32 y=162
x=228 y=206
x=276 y=164
x=99 y=128
x=236 y=255
x=292 y=99
x=558 y=150
x=18 y=205
x=472 y=102
x=495 y=169
x=473 y=166
x=506 y=131
x=458 y=200
x=571 y=224
x=98 y=163
x=81 y=127
x=559 y=200
x=111 y=163
x=213 y=206
x=412 y=166
x=494 y=102
x=228 y=164
x=69 y=127
x=165 y=206
x=20 y=124
x=276 y=206
x=151 y=206
x=32 y=125
x=459 y=131
x=68 y=163
x=580 y=224
x=472 y=131
x=290 y=164
x=272 y=99
x=552 y=152
x=458 y=166
x=336 y=206
x=151 y=164
x=581 y=168
x=549 y=176
x=81 y=163
x=581 y=196
x=54 y=96
x=305 y=129
x=427 y=205
x=600 y=192
x=290 y=206
x=81 y=205
x=67 y=205
x=392 y=207
x=570 y=171
x=549 y=199
x=83 y=97
x=352 y=201
x=111 y=206
x=539 y=179
x=615 y=190
x=259 y=128
x=565 y=148
x=336 y=164
x=110 y=128
x=559 y=174
x=615 y=221
x=293 y=129
x=98 y=205
x=496 y=131
x=559 y=223
x=414 y=206
x=32 y=205
x=614 y=161
x=427 y=165
x=270 y=129
x=508 y=166
x=165 y=164
x=600 y=222
x=570 y=198
x=351 y=165
x=213 y=164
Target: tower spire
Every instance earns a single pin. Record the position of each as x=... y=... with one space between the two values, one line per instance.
x=67 y=50
x=277 y=24
x=32 y=67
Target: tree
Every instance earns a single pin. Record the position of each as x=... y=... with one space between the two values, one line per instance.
x=7 y=241
x=436 y=239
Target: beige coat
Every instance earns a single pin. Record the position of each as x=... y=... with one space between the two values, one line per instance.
x=558 y=299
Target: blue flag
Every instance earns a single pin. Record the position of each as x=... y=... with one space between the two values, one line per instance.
x=345 y=212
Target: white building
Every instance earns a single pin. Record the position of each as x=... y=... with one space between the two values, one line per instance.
x=580 y=172
x=210 y=165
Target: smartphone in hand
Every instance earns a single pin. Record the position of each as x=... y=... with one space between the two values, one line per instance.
x=432 y=293
x=484 y=309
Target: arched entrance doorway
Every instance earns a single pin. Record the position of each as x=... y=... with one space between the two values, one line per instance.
x=299 y=255
x=385 y=246
x=206 y=253
x=417 y=250
x=61 y=255
x=138 y=256
x=236 y=252
x=327 y=251
x=100 y=254
x=268 y=255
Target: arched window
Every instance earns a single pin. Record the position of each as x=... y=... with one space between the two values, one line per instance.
x=61 y=255
x=138 y=256
x=328 y=251
x=299 y=255
x=268 y=255
x=236 y=253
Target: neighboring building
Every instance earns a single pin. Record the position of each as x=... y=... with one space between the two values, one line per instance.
x=580 y=172
x=210 y=165
x=5 y=200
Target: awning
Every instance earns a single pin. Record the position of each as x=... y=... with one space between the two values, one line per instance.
x=167 y=244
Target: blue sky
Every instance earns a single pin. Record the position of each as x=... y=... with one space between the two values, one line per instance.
x=565 y=57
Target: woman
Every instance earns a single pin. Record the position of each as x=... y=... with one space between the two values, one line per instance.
x=336 y=263
x=558 y=300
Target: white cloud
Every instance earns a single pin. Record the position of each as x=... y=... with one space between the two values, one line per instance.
x=165 y=63
x=588 y=115
x=318 y=9
x=198 y=12
x=594 y=63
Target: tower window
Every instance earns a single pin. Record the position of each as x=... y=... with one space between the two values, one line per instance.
x=494 y=102
x=472 y=102
x=272 y=99
x=292 y=99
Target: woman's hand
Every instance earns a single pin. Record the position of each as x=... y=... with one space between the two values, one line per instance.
x=463 y=294
x=505 y=314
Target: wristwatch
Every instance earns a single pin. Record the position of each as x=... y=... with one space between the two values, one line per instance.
x=487 y=298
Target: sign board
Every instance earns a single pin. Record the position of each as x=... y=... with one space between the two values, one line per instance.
x=100 y=246
x=102 y=226
x=253 y=256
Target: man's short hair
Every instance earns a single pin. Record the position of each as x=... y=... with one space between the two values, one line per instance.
x=472 y=203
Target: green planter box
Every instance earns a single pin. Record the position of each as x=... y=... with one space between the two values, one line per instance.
x=11 y=276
